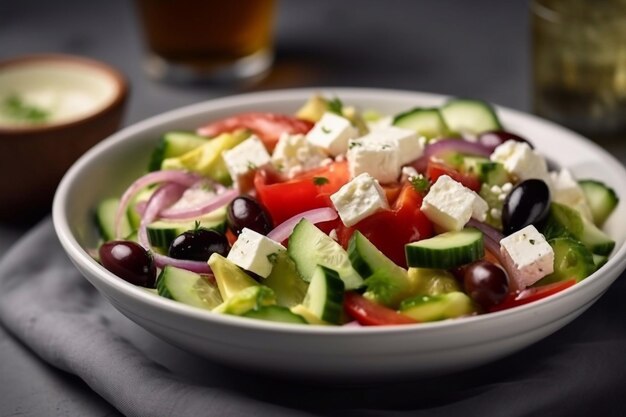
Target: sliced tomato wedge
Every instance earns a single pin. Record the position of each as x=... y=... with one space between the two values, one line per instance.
x=435 y=169
x=284 y=199
x=390 y=230
x=267 y=126
x=532 y=294
x=369 y=313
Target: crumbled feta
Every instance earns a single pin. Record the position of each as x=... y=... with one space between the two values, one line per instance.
x=293 y=155
x=495 y=213
x=565 y=190
x=521 y=160
x=378 y=158
x=358 y=199
x=332 y=133
x=254 y=252
x=193 y=197
x=408 y=173
x=409 y=144
x=528 y=257
x=450 y=205
x=242 y=160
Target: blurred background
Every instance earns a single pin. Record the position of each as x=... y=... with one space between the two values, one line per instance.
x=478 y=48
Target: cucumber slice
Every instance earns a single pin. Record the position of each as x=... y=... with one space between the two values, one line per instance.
x=386 y=282
x=488 y=172
x=599 y=260
x=229 y=277
x=287 y=284
x=602 y=200
x=470 y=116
x=105 y=219
x=188 y=288
x=161 y=233
x=310 y=317
x=438 y=307
x=564 y=221
x=447 y=250
x=427 y=122
x=309 y=247
x=246 y=300
x=275 y=313
x=572 y=259
x=134 y=218
x=324 y=298
x=174 y=144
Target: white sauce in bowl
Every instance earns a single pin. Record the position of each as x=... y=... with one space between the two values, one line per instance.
x=57 y=92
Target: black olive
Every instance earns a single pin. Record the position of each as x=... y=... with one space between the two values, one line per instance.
x=245 y=211
x=528 y=203
x=199 y=245
x=129 y=261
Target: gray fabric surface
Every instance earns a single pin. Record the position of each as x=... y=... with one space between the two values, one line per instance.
x=54 y=311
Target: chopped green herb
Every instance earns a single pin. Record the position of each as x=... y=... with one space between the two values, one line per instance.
x=532 y=241
x=353 y=144
x=320 y=180
x=15 y=108
x=251 y=165
x=335 y=106
x=196 y=226
x=420 y=183
x=326 y=130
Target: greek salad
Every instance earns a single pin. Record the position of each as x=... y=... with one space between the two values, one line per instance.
x=337 y=216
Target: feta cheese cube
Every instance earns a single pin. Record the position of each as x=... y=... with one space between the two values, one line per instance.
x=409 y=144
x=254 y=252
x=294 y=155
x=242 y=160
x=378 y=158
x=358 y=199
x=521 y=160
x=565 y=190
x=332 y=133
x=450 y=205
x=528 y=257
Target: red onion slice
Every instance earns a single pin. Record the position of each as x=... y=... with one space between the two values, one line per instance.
x=162 y=198
x=283 y=230
x=179 y=177
x=457 y=145
x=490 y=231
x=492 y=238
x=206 y=207
x=445 y=145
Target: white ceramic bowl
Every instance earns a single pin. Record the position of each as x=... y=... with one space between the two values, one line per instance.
x=332 y=353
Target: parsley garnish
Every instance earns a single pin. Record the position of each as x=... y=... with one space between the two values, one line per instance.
x=420 y=183
x=320 y=180
x=251 y=165
x=326 y=130
x=15 y=108
x=353 y=144
x=196 y=226
x=335 y=106
x=532 y=241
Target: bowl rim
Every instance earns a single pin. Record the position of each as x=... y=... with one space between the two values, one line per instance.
x=79 y=255
x=120 y=83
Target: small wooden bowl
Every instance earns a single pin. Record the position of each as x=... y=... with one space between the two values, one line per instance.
x=35 y=156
